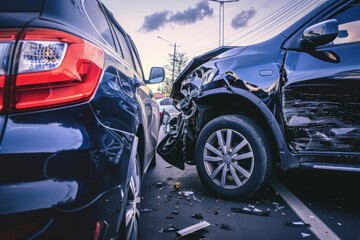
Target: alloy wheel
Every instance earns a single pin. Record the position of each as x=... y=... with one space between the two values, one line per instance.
x=133 y=203
x=228 y=159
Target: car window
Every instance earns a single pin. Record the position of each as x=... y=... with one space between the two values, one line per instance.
x=349 y=25
x=136 y=58
x=98 y=19
x=124 y=46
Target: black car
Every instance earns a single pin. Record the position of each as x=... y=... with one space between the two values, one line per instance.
x=78 y=125
x=293 y=100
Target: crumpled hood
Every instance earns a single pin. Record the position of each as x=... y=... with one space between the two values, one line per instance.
x=218 y=53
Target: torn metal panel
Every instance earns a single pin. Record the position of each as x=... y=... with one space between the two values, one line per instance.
x=195 y=63
x=322 y=118
x=254 y=69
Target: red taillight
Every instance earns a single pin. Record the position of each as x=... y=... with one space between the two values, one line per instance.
x=56 y=68
x=53 y=68
x=7 y=40
x=2 y=84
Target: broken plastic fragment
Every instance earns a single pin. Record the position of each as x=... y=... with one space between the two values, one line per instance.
x=186 y=193
x=197 y=216
x=196 y=199
x=158 y=184
x=170 y=229
x=147 y=210
x=251 y=211
x=226 y=226
x=193 y=228
x=304 y=235
x=297 y=224
x=211 y=209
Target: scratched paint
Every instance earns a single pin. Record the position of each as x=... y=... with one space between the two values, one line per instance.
x=322 y=118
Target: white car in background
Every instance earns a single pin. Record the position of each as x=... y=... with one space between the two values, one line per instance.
x=166 y=104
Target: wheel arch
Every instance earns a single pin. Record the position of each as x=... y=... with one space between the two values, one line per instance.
x=244 y=102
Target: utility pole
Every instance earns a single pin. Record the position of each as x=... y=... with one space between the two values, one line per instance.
x=174 y=56
x=173 y=68
x=221 y=19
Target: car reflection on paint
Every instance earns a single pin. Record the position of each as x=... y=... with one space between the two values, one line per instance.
x=292 y=100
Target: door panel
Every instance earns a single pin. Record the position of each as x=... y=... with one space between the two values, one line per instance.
x=321 y=96
x=321 y=100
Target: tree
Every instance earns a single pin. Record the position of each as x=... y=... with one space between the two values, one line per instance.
x=180 y=63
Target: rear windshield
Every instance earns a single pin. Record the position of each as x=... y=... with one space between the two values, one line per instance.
x=21 y=5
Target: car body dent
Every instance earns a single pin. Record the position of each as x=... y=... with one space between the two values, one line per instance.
x=250 y=73
x=275 y=82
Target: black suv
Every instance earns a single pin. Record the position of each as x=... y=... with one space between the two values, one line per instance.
x=78 y=125
x=293 y=100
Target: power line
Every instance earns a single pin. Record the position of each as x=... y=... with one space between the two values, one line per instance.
x=252 y=28
x=249 y=29
x=269 y=22
x=280 y=24
x=233 y=6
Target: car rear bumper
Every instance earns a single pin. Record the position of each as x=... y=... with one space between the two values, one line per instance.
x=65 y=171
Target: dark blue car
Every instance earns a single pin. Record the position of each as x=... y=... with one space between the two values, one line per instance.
x=78 y=125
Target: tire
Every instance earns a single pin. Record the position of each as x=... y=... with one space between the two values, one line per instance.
x=233 y=157
x=130 y=225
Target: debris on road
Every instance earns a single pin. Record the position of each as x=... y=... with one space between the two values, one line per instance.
x=297 y=224
x=253 y=211
x=175 y=212
x=211 y=209
x=197 y=216
x=304 y=235
x=278 y=207
x=170 y=228
x=177 y=185
x=226 y=226
x=147 y=210
x=159 y=185
x=186 y=193
x=192 y=229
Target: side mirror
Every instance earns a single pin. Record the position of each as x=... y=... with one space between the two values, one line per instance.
x=321 y=33
x=157 y=75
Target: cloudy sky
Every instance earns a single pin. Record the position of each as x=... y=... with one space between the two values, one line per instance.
x=194 y=24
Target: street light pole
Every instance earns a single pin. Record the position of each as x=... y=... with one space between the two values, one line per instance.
x=221 y=19
x=174 y=56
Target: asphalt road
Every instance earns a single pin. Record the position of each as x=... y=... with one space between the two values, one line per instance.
x=333 y=200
